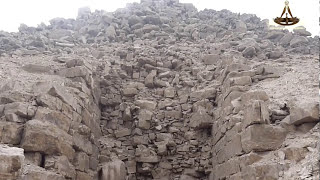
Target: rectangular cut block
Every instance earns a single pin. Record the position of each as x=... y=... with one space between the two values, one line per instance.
x=262 y=137
x=42 y=136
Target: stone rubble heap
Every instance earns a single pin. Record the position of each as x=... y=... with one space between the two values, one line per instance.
x=157 y=90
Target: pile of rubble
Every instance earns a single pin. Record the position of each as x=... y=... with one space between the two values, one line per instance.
x=158 y=90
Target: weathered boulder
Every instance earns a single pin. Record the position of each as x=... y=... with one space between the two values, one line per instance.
x=262 y=137
x=306 y=113
x=47 y=138
x=298 y=41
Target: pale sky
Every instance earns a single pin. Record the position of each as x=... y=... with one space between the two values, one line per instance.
x=33 y=12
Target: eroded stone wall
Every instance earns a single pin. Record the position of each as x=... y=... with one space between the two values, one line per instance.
x=158 y=90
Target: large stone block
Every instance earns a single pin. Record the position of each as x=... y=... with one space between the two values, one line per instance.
x=115 y=170
x=207 y=93
x=253 y=95
x=306 y=113
x=261 y=171
x=24 y=110
x=11 y=162
x=224 y=170
x=256 y=113
x=47 y=138
x=262 y=137
x=65 y=96
x=54 y=117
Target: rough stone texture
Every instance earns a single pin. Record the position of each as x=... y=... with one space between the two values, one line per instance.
x=11 y=162
x=168 y=91
x=262 y=138
x=46 y=138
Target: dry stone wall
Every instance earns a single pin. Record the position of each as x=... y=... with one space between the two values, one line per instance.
x=158 y=90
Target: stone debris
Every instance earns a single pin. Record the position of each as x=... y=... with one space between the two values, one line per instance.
x=158 y=90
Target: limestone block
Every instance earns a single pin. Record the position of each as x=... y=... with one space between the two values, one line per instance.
x=11 y=162
x=10 y=132
x=261 y=171
x=201 y=119
x=140 y=140
x=74 y=63
x=298 y=41
x=47 y=138
x=80 y=142
x=78 y=71
x=65 y=96
x=126 y=116
x=209 y=59
x=114 y=171
x=249 y=52
x=32 y=172
x=130 y=92
x=131 y=166
x=146 y=104
x=149 y=79
x=176 y=114
x=81 y=161
x=207 y=93
x=262 y=137
x=253 y=95
x=169 y=92
x=35 y=68
x=305 y=113
x=256 y=113
x=93 y=122
x=144 y=119
x=241 y=81
x=24 y=110
x=54 y=117
x=122 y=132
x=34 y=158
x=61 y=165
x=224 y=170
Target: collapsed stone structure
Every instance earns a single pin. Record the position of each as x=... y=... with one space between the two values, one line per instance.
x=158 y=90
